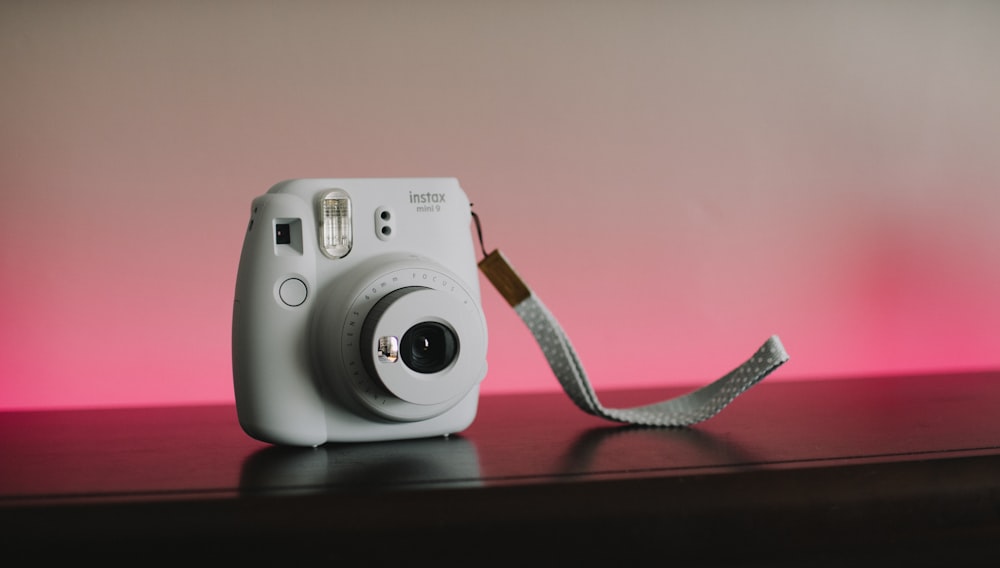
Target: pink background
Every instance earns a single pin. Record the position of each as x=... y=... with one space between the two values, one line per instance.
x=676 y=180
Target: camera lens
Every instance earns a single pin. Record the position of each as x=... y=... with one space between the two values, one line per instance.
x=420 y=349
x=428 y=347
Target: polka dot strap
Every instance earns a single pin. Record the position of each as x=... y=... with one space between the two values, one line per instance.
x=684 y=410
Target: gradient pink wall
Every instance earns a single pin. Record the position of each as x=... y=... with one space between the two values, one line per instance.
x=676 y=180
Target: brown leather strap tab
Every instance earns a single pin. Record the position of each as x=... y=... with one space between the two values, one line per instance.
x=504 y=278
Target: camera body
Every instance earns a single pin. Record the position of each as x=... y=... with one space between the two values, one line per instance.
x=357 y=314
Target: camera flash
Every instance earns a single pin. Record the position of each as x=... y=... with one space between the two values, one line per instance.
x=336 y=237
x=388 y=349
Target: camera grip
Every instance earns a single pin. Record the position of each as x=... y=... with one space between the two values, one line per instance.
x=277 y=400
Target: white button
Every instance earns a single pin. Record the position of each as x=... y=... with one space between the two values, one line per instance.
x=293 y=292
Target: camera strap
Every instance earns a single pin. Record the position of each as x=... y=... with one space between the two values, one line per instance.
x=684 y=410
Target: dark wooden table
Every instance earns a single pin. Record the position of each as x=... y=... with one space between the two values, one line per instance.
x=861 y=471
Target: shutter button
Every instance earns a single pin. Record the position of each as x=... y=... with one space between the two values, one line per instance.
x=293 y=292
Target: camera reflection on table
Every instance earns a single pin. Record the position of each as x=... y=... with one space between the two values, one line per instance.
x=375 y=465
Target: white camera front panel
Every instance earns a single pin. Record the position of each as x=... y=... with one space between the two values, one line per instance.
x=291 y=378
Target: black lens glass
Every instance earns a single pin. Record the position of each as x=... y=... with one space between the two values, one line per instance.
x=428 y=347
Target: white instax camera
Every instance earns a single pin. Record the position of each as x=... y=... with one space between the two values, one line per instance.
x=357 y=314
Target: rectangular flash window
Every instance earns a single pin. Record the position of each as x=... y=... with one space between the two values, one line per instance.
x=336 y=237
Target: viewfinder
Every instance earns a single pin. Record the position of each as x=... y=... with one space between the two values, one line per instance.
x=282 y=234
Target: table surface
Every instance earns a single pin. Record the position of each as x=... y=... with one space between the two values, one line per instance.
x=861 y=469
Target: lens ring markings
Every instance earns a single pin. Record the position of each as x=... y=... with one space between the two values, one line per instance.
x=396 y=391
